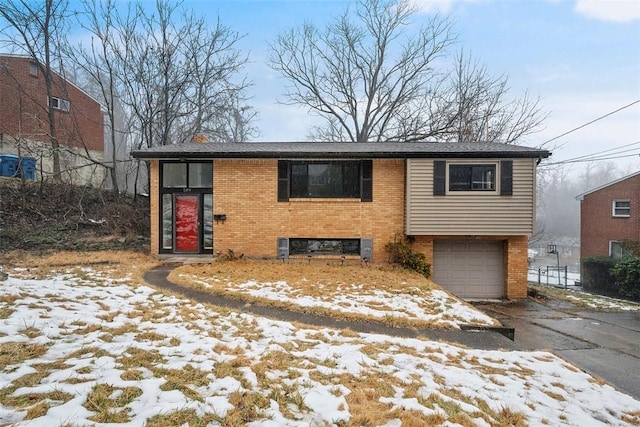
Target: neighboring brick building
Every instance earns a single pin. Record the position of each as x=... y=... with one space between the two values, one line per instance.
x=609 y=215
x=24 y=121
x=468 y=207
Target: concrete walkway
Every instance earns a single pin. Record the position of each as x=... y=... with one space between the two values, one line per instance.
x=485 y=339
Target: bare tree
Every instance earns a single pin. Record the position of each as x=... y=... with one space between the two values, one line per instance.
x=178 y=73
x=474 y=106
x=365 y=77
x=34 y=28
x=374 y=78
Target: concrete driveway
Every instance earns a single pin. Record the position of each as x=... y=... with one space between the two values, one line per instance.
x=604 y=344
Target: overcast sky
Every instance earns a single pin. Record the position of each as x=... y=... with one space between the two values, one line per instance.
x=581 y=57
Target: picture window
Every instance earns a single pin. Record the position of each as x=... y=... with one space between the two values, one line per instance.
x=341 y=179
x=472 y=177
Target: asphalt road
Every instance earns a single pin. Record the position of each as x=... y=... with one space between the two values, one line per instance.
x=604 y=344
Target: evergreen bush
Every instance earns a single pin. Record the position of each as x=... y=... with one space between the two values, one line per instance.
x=627 y=274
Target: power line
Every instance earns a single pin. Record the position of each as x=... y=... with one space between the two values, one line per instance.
x=589 y=160
x=597 y=153
x=610 y=154
x=588 y=123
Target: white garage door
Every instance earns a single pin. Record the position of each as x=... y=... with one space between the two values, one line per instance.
x=469 y=268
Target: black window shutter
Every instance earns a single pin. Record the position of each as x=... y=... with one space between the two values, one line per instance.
x=283 y=180
x=506 y=178
x=367 y=181
x=439 y=177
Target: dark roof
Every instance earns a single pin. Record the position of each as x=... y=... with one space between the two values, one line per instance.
x=331 y=150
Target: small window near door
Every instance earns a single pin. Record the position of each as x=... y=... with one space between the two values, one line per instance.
x=167 y=221
x=187 y=175
x=622 y=208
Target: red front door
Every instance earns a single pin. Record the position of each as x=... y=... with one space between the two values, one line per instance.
x=187 y=223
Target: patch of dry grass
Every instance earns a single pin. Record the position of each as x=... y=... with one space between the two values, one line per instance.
x=135 y=357
x=119 y=264
x=319 y=280
x=109 y=403
x=316 y=278
x=14 y=353
x=188 y=417
x=32 y=401
x=631 y=417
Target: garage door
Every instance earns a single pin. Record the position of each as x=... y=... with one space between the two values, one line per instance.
x=469 y=268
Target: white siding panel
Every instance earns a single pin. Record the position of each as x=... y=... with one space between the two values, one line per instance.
x=469 y=213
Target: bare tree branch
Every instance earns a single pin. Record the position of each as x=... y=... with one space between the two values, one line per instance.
x=363 y=74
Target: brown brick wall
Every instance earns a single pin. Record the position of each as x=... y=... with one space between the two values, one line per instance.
x=597 y=224
x=246 y=192
x=515 y=260
x=23 y=110
x=516 y=266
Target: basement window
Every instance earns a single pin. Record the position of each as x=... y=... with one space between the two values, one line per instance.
x=324 y=246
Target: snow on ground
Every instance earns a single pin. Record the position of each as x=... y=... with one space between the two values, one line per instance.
x=601 y=302
x=80 y=349
x=432 y=306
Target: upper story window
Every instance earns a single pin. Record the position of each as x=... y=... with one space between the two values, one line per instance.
x=348 y=179
x=458 y=177
x=33 y=69
x=622 y=208
x=187 y=175
x=59 y=104
x=472 y=177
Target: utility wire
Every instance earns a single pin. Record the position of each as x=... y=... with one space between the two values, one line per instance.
x=588 y=160
x=598 y=153
x=587 y=124
x=610 y=154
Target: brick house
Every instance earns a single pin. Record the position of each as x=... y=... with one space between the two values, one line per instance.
x=609 y=216
x=24 y=121
x=468 y=207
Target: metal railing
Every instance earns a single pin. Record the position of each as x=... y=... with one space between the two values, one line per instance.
x=551 y=275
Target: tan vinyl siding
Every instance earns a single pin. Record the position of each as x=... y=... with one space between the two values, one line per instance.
x=470 y=213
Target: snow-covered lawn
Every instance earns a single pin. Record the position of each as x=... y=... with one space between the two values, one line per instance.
x=79 y=348
x=586 y=299
x=411 y=300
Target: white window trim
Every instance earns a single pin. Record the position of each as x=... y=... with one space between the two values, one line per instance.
x=33 y=69
x=618 y=215
x=59 y=104
x=474 y=162
x=611 y=243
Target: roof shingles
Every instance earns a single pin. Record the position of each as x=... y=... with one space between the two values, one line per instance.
x=329 y=150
